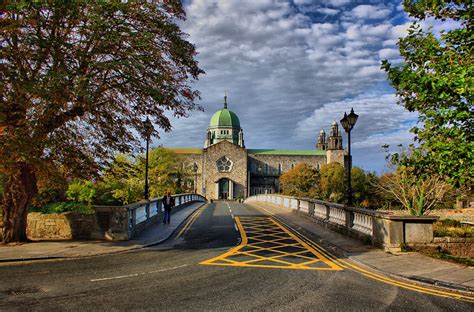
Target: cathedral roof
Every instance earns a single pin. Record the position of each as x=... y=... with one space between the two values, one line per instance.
x=224 y=118
x=314 y=152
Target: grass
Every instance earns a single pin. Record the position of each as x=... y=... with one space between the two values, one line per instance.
x=446 y=256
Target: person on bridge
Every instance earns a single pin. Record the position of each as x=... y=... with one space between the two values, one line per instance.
x=168 y=203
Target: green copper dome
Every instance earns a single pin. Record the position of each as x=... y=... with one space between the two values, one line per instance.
x=224 y=118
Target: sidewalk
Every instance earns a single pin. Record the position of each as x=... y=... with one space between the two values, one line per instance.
x=41 y=250
x=409 y=265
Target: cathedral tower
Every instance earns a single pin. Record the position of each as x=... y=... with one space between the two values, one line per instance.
x=335 y=151
x=224 y=126
x=322 y=145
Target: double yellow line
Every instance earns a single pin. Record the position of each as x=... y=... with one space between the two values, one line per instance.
x=378 y=277
x=191 y=221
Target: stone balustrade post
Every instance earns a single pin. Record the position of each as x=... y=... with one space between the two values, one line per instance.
x=147 y=210
x=349 y=219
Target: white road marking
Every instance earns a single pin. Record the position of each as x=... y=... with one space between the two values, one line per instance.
x=173 y=268
x=232 y=216
x=236 y=228
x=136 y=274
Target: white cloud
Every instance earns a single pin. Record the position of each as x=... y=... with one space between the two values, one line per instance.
x=365 y=11
x=338 y=3
x=280 y=67
x=328 y=11
x=381 y=121
x=389 y=53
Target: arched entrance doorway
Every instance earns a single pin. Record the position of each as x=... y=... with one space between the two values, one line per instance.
x=225 y=189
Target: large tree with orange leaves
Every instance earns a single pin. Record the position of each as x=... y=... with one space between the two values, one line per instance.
x=76 y=81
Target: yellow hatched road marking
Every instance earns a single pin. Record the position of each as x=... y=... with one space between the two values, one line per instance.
x=385 y=279
x=275 y=234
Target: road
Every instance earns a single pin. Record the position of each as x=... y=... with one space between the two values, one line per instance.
x=227 y=256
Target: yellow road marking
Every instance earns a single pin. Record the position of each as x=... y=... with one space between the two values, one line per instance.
x=385 y=279
x=276 y=234
x=191 y=221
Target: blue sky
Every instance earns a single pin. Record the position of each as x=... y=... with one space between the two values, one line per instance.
x=292 y=67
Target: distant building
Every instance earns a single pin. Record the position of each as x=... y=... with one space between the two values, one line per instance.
x=228 y=170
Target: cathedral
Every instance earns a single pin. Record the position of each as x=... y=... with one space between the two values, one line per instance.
x=226 y=169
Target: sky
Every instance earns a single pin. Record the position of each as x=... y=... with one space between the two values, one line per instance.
x=292 y=67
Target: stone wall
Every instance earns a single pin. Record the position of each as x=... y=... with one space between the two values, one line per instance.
x=286 y=161
x=69 y=225
x=265 y=170
x=456 y=246
x=190 y=160
x=336 y=156
x=238 y=174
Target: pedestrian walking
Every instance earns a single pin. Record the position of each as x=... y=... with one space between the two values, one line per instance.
x=168 y=203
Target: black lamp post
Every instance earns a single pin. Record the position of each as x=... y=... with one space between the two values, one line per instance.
x=348 y=122
x=195 y=170
x=148 y=130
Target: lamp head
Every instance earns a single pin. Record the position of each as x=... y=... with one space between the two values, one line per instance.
x=148 y=127
x=352 y=118
x=345 y=122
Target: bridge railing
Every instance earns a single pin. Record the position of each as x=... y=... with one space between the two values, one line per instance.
x=382 y=229
x=125 y=222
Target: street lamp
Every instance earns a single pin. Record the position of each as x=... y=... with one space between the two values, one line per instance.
x=348 y=122
x=148 y=130
x=195 y=170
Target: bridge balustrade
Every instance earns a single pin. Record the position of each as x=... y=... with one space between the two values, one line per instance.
x=383 y=229
x=126 y=222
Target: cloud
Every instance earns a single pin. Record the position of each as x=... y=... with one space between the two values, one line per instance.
x=365 y=11
x=327 y=11
x=338 y=3
x=281 y=66
x=381 y=121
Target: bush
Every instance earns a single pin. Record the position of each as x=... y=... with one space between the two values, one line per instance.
x=63 y=207
x=81 y=192
x=452 y=228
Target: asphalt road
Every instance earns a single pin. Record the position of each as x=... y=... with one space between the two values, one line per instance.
x=227 y=256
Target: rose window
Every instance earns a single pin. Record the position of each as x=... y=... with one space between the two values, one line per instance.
x=224 y=164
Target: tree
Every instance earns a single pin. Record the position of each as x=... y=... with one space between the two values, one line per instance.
x=301 y=181
x=81 y=192
x=121 y=183
x=77 y=79
x=167 y=172
x=332 y=186
x=415 y=194
x=436 y=80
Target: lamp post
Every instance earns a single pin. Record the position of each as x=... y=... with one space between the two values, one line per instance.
x=348 y=122
x=148 y=130
x=195 y=170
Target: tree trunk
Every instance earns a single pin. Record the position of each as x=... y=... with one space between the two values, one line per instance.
x=19 y=190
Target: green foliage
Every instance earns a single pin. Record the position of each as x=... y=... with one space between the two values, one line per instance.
x=332 y=186
x=167 y=172
x=329 y=183
x=436 y=80
x=60 y=207
x=449 y=222
x=123 y=181
x=452 y=228
x=81 y=192
x=301 y=181
x=417 y=194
